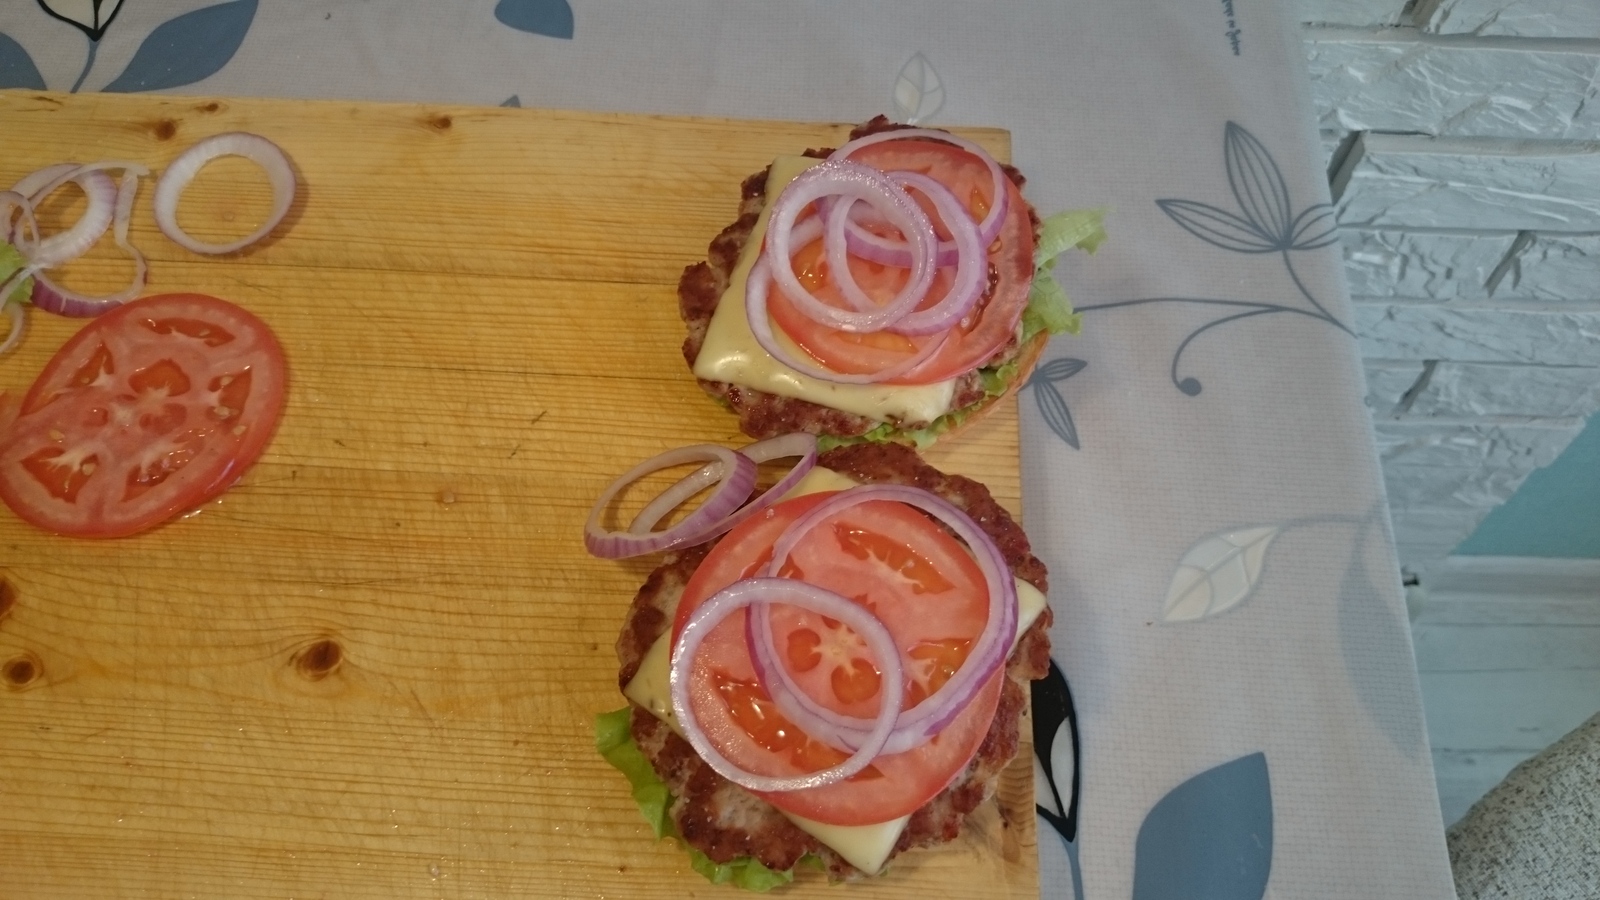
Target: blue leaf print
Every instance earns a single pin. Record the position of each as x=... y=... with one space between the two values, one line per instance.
x=1377 y=651
x=16 y=66
x=512 y=102
x=188 y=48
x=1052 y=406
x=1210 y=838
x=551 y=18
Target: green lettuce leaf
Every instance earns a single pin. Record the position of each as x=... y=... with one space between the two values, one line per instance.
x=1080 y=228
x=613 y=738
x=745 y=872
x=11 y=260
x=1048 y=309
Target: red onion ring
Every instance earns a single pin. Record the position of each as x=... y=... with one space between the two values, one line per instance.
x=52 y=297
x=720 y=513
x=25 y=188
x=971 y=259
x=25 y=234
x=182 y=170
x=757 y=285
x=29 y=184
x=801 y=445
x=760 y=591
x=877 y=248
x=737 y=474
x=98 y=189
x=920 y=723
x=855 y=182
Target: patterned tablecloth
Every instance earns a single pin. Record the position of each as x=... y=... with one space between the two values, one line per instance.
x=1235 y=711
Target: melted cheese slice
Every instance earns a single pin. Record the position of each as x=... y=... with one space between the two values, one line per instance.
x=731 y=354
x=864 y=846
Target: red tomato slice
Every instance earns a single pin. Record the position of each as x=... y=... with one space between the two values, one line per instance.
x=149 y=411
x=986 y=330
x=919 y=581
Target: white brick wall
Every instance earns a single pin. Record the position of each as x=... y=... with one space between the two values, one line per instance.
x=1517 y=445
x=1405 y=80
x=1464 y=182
x=1454 y=390
x=1545 y=336
x=1424 y=265
x=1523 y=18
x=1463 y=138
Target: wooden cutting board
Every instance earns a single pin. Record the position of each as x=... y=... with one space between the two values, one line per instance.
x=370 y=670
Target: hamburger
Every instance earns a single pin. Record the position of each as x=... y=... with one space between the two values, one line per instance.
x=917 y=300
x=939 y=602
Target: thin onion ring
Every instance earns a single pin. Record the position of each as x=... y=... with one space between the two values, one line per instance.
x=861 y=183
x=736 y=472
x=800 y=445
x=99 y=191
x=752 y=591
x=18 y=326
x=892 y=252
x=920 y=723
x=757 y=285
x=182 y=170
x=971 y=259
x=51 y=297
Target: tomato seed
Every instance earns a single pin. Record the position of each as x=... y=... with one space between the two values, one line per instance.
x=57 y=436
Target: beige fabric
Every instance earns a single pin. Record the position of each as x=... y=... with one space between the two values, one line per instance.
x=1536 y=836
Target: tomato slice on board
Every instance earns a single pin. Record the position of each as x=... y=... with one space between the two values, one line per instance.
x=150 y=410
x=920 y=582
x=986 y=330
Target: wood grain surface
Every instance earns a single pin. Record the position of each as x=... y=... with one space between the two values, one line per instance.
x=370 y=670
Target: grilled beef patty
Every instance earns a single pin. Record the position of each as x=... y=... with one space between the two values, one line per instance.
x=763 y=415
x=725 y=821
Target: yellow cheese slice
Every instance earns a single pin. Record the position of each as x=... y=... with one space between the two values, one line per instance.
x=864 y=846
x=730 y=352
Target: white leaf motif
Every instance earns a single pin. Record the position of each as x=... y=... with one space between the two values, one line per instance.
x=1041 y=789
x=1061 y=764
x=1217 y=574
x=918 y=92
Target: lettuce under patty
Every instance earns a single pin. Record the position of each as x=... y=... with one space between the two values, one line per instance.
x=1048 y=310
x=613 y=737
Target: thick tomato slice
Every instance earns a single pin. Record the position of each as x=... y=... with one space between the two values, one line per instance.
x=920 y=582
x=980 y=336
x=150 y=410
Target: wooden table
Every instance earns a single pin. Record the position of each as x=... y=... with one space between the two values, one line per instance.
x=371 y=668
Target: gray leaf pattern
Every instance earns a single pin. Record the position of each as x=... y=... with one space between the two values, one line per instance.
x=1052 y=406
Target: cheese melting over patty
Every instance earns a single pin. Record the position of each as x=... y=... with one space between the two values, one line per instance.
x=730 y=352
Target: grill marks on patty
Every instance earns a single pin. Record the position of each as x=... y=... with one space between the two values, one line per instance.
x=724 y=821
